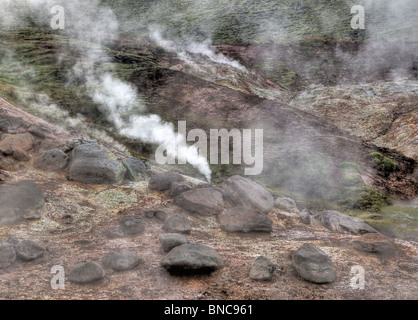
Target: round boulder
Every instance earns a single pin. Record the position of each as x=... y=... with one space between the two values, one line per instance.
x=29 y=250
x=313 y=264
x=192 y=258
x=121 y=260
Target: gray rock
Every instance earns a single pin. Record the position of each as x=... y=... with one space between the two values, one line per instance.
x=19 y=199
x=177 y=223
x=86 y=272
x=7 y=255
x=29 y=250
x=179 y=187
x=313 y=265
x=132 y=225
x=192 y=258
x=244 y=219
x=246 y=192
x=88 y=150
x=135 y=169
x=205 y=202
x=340 y=222
x=171 y=240
x=51 y=160
x=262 y=269
x=374 y=243
x=286 y=204
x=305 y=217
x=163 y=181
x=121 y=260
x=97 y=171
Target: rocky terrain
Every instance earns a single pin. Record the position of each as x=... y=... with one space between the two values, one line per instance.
x=123 y=229
x=86 y=210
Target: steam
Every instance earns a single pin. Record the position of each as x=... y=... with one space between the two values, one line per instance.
x=187 y=51
x=119 y=101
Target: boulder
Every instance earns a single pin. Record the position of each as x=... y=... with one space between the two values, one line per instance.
x=7 y=255
x=19 y=199
x=163 y=181
x=244 y=219
x=86 y=272
x=374 y=243
x=192 y=258
x=29 y=250
x=340 y=222
x=262 y=269
x=171 y=240
x=121 y=260
x=97 y=171
x=313 y=265
x=51 y=160
x=12 y=142
x=179 y=187
x=205 y=202
x=177 y=223
x=135 y=169
x=88 y=150
x=246 y=192
x=286 y=204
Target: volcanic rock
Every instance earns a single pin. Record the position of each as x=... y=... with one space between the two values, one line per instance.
x=313 y=264
x=244 y=219
x=205 y=202
x=192 y=258
x=246 y=192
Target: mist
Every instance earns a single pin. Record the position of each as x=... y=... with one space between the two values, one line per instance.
x=119 y=101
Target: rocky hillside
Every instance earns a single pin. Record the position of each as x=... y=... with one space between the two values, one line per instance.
x=122 y=229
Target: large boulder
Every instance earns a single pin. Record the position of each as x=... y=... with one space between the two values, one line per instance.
x=19 y=199
x=51 y=160
x=244 y=219
x=206 y=202
x=87 y=150
x=192 y=258
x=11 y=142
x=313 y=264
x=86 y=272
x=163 y=181
x=340 y=222
x=97 y=171
x=246 y=192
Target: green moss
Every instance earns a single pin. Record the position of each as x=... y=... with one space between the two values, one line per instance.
x=377 y=156
x=363 y=198
x=388 y=165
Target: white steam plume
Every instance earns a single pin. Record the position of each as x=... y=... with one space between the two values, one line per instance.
x=186 y=50
x=119 y=101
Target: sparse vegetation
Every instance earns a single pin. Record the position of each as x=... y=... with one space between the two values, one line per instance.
x=384 y=163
